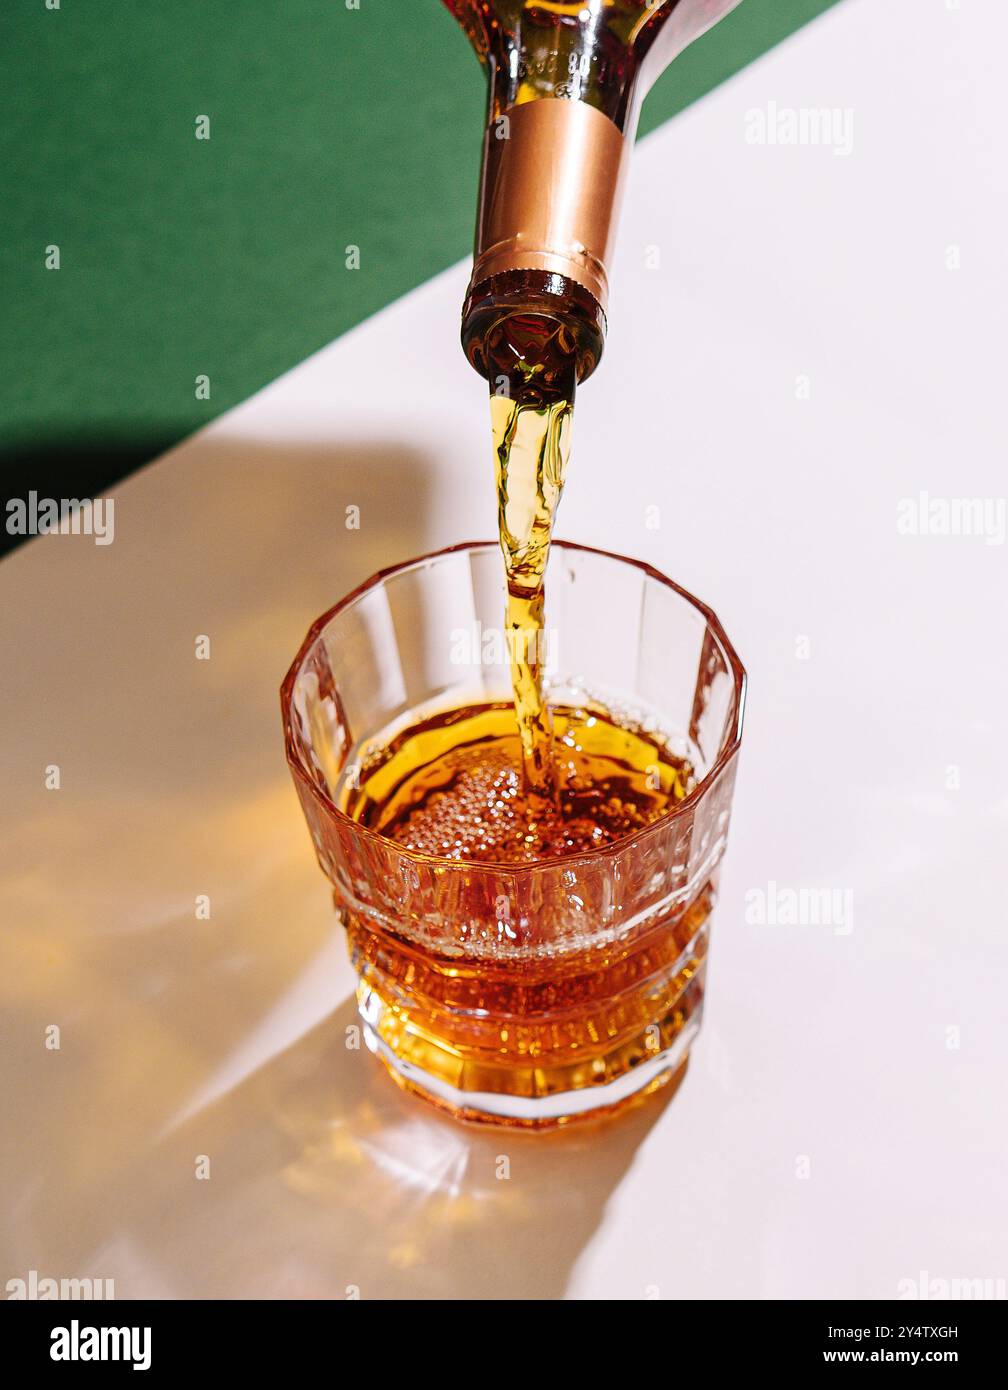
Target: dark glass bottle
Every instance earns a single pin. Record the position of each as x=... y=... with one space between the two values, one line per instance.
x=566 y=82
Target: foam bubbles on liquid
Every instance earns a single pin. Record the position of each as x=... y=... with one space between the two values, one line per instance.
x=482 y=812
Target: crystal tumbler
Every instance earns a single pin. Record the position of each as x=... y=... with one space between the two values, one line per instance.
x=521 y=994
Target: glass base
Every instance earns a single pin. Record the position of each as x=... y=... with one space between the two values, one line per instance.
x=523 y=1107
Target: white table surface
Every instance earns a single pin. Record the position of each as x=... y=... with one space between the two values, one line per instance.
x=842 y=1126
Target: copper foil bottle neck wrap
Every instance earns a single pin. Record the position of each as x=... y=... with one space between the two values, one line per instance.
x=553 y=172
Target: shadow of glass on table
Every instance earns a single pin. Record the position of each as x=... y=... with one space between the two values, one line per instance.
x=326 y=1180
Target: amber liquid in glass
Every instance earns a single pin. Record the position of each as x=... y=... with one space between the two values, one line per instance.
x=452 y=786
x=492 y=1017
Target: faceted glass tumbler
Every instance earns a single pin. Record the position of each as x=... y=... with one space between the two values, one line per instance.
x=526 y=994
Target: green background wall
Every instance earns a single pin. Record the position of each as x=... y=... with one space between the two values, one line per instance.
x=225 y=257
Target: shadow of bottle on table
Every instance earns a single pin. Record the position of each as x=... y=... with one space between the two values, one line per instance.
x=320 y=1175
x=174 y=790
x=326 y=1180
x=82 y=467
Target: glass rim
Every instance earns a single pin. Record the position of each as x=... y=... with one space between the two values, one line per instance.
x=614 y=847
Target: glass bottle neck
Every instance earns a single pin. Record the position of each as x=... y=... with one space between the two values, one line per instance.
x=553 y=172
x=565 y=86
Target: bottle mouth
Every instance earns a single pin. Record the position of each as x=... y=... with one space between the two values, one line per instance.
x=528 y=331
